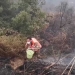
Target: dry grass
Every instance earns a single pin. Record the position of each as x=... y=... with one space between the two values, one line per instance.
x=11 y=44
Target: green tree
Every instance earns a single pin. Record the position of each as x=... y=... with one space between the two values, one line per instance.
x=5 y=13
x=30 y=19
x=24 y=24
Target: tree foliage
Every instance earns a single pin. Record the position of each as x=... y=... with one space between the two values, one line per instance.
x=5 y=13
x=30 y=19
x=24 y=15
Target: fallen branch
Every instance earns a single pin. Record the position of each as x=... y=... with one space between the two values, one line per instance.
x=46 y=68
x=68 y=66
x=71 y=68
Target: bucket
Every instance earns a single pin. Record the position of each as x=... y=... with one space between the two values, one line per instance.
x=29 y=53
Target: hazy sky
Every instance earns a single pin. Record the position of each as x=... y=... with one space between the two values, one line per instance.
x=56 y=2
x=50 y=4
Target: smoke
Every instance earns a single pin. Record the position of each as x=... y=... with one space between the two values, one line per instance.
x=50 y=5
